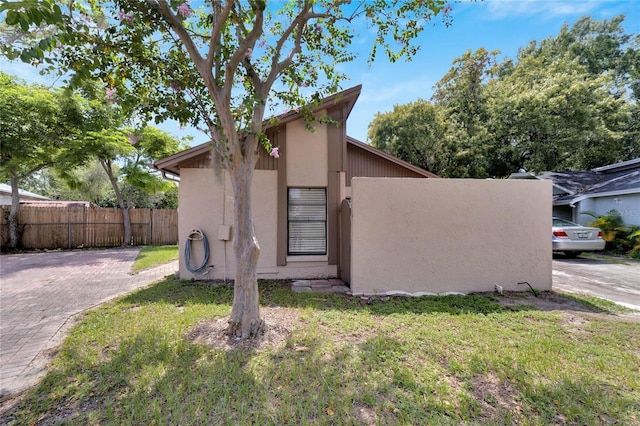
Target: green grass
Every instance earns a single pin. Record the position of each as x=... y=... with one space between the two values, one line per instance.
x=151 y=256
x=429 y=360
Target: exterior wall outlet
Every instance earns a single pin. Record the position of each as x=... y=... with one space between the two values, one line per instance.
x=224 y=232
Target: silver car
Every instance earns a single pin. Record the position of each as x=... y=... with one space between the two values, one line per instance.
x=573 y=239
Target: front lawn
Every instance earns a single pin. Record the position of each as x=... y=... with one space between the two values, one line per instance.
x=151 y=256
x=154 y=358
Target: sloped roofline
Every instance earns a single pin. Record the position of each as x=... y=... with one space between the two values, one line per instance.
x=170 y=164
x=6 y=189
x=624 y=165
x=531 y=175
x=347 y=97
x=390 y=157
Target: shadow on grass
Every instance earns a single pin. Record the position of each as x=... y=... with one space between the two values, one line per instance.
x=275 y=293
x=155 y=378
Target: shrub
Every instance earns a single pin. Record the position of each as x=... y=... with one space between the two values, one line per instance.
x=621 y=239
x=610 y=224
x=634 y=237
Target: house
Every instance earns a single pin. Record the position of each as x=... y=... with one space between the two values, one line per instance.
x=5 y=195
x=604 y=190
x=331 y=206
x=296 y=198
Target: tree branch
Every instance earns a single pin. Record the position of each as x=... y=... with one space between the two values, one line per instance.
x=165 y=10
x=301 y=20
x=33 y=170
x=220 y=17
x=241 y=51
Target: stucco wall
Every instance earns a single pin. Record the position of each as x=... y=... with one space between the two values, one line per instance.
x=307 y=155
x=206 y=202
x=449 y=235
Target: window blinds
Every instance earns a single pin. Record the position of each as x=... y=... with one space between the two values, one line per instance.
x=307 y=221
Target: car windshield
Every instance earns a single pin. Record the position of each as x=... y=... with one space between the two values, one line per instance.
x=562 y=222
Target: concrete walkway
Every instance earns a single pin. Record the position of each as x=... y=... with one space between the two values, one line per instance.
x=320 y=286
x=40 y=292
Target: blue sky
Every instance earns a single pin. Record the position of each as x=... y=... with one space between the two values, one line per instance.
x=504 y=25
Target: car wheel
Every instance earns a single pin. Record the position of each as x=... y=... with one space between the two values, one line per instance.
x=572 y=254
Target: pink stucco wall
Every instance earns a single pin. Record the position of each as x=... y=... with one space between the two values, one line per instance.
x=434 y=236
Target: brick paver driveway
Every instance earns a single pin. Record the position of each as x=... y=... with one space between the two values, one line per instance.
x=39 y=292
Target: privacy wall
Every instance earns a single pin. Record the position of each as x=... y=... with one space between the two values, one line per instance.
x=434 y=236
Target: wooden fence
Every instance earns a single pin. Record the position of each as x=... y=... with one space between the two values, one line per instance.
x=79 y=226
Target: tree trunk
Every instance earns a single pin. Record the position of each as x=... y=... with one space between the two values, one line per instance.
x=245 y=321
x=14 y=234
x=126 y=219
x=127 y=225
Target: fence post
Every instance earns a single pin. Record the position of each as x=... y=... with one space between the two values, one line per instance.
x=151 y=215
x=69 y=233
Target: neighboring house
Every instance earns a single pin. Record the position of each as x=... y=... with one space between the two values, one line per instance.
x=5 y=195
x=599 y=191
x=296 y=198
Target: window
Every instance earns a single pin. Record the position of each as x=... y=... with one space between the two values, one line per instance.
x=307 y=221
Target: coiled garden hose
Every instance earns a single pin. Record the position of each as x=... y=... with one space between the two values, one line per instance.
x=196 y=235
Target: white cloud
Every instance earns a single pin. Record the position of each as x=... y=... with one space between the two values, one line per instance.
x=545 y=9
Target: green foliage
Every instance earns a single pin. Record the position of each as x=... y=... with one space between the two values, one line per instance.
x=125 y=154
x=38 y=126
x=634 y=237
x=220 y=61
x=462 y=93
x=610 y=224
x=568 y=102
x=84 y=183
x=168 y=199
x=557 y=116
x=563 y=103
x=621 y=239
x=415 y=133
x=91 y=183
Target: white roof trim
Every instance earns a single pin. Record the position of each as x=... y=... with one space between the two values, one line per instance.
x=622 y=165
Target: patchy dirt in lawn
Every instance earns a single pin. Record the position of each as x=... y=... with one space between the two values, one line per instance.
x=279 y=322
x=493 y=394
x=365 y=415
x=544 y=301
x=576 y=315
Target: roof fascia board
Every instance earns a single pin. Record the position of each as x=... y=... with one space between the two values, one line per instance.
x=183 y=155
x=349 y=96
x=624 y=165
